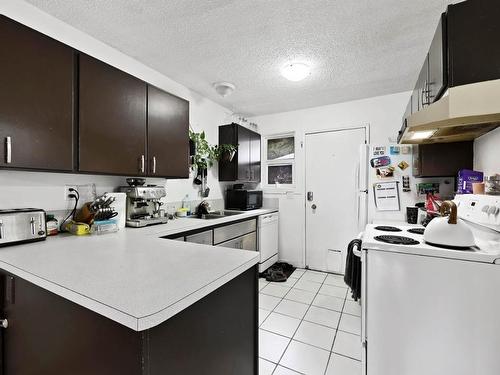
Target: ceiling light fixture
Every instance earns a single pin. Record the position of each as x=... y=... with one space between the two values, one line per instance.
x=224 y=88
x=295 y=71
x=424 y=134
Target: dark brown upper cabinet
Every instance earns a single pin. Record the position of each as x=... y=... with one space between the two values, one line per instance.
x=464 y=50
x=37 y=75
x=255 y=158
x=112 y=120
x=246 y=164
x=48 y=90
x=168 y=134
x=442 y=159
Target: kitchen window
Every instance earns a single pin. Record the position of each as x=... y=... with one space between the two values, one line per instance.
x=279 y=161
x=280 y=148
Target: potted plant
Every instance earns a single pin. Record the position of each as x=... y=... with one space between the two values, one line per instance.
x=206 y=155
x=226 y=152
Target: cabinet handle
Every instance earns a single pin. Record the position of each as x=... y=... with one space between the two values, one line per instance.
x=143 y=162
x=8 y=146
x=422 y=95
x=154 y=164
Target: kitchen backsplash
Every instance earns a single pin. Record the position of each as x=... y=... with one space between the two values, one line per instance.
x=47 y=190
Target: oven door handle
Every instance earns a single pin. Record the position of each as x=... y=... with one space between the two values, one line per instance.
x=356 y=250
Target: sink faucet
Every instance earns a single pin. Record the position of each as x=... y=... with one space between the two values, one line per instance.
x=203 y=209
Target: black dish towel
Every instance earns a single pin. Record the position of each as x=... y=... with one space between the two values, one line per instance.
x=352 y=275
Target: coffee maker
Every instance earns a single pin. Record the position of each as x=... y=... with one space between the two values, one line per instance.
x=143 y=205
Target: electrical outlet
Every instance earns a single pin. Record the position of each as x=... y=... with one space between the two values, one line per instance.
x=87 y=192
x=67 y=192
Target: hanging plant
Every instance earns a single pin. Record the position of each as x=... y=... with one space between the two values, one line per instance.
x=205 y=154
x=226 y=152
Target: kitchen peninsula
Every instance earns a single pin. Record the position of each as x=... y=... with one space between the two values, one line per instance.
x=130 y=303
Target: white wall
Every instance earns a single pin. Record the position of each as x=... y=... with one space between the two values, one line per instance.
x=487 y=153
x=46 y=190
x=383 y=114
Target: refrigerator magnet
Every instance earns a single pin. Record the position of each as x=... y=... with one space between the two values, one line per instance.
x=382 y=161
x=405 y=150
x=385 y=172
x=403 y=165
x=394 y=150
x=378 y=150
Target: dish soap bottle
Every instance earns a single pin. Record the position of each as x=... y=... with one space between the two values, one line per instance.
x=185 y=205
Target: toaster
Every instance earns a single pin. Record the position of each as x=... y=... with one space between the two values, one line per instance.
x=22 y=225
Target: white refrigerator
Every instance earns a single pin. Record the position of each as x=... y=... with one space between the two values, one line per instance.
x=386 y=185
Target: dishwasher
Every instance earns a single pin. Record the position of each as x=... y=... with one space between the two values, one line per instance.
x=268 y=240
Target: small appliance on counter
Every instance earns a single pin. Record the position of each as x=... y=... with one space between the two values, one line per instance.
x=143 y=205
x=241 y=199
x=22 y=225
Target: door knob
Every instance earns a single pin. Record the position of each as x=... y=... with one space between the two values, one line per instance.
x=4 y=323
x=313 y=206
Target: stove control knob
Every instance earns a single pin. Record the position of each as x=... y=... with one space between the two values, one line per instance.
x=485 y=209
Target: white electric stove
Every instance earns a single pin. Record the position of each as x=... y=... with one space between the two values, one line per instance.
x=428 y=309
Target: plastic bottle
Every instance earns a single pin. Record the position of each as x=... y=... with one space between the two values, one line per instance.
x=185 y=205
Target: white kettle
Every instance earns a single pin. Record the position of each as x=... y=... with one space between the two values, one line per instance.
x=449 y=231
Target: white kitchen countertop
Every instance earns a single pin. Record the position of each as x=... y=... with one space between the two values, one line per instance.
x=133 y=277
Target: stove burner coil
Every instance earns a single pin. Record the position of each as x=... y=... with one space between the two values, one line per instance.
x=397 y=240
x=416 y=230
x=387 y=228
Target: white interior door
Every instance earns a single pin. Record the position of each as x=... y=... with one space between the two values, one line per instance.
x=332 y=160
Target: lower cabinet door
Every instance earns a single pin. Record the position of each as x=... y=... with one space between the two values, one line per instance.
x=246 y=242
x=249 y=241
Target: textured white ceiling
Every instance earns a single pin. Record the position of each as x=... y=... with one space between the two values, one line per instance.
x=357 y=48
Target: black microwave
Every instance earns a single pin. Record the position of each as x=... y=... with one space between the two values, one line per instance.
x=240 y=199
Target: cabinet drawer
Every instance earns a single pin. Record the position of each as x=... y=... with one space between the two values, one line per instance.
x=204 y=238
x=228 y=232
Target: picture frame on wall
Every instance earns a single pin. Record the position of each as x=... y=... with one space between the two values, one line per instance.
x=281 y=148
x=280 y=174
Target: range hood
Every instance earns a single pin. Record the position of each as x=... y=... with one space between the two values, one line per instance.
x=462 y=114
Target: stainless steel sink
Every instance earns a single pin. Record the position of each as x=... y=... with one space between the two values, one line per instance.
x=217 y=214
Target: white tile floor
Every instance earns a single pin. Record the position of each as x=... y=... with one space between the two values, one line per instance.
x=308 y=325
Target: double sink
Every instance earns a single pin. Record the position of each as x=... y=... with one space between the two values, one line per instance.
x=217 y=214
